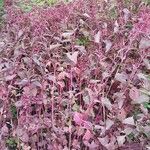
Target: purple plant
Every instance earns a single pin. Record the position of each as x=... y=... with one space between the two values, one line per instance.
x=74 y=77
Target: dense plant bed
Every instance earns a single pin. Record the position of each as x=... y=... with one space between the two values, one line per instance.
x=75 y=76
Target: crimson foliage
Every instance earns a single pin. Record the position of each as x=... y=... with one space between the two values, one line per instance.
x=75 y=76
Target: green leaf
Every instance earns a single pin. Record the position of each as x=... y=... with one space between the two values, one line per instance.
x=14 y=111
x=1 y=4
x=113 y=13
x=44 y=2
x=127 y=2
x=147 y=2
x=1 y=12
x=83 y=41
x=11 y=142
x=131 y=136
x=129 y=25
x=146 y=105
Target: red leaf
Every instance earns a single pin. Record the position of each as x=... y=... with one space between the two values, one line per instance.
x=134 y=93
x=87 y=135
x=78 y=118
